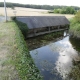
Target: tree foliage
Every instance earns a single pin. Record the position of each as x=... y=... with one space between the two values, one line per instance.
x=48 y=7
x=70 y=10
x=66 y=10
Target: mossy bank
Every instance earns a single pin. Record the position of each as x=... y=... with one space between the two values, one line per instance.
x=15 y=60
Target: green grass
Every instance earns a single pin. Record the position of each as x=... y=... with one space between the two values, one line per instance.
x=75 y=28
x=17 y=62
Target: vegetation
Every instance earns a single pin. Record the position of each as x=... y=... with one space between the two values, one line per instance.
x=22 y=26
x=75 y=40
x=77 y=17
x=15 y=60
x=13 y=7
x=36 y=6
x=76 y=43
x=75 y=72
x=66 y=10
x=75 y=25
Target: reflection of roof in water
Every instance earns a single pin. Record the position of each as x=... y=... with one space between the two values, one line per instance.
x=43 y=21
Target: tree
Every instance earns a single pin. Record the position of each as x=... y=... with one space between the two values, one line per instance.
x=63 y=11
x=56 y=11
x=12 y=7
x=70 y=10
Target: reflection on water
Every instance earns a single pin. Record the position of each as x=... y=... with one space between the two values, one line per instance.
x=55 y=60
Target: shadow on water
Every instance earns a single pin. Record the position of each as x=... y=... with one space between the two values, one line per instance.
x=42 y=40
x=75 y=72
x=55 y=60
x=76 y=43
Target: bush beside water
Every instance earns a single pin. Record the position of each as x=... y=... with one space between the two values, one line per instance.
x=75 y=26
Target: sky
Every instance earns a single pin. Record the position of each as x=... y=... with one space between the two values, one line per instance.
x=47 y=2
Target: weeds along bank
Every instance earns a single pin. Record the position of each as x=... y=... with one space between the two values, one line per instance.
x=75 y=32
x=24 y=62
x=75 y=26
x=75 y=41
x=17 y=57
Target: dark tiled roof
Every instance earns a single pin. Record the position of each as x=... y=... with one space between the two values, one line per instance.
x=43 y=21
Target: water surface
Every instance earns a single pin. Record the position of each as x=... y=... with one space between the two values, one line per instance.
x=55 y=60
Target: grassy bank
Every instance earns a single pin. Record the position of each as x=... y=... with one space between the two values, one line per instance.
x=75 y=28
x=75 y=25
x=75 y=40
x=15 y=60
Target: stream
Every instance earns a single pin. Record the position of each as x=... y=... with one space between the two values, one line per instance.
x=55 y=60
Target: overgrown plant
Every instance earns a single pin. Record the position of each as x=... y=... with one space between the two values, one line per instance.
x=75 y=25
x=22 y=26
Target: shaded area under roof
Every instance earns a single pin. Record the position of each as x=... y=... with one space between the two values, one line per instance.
x=43 y=21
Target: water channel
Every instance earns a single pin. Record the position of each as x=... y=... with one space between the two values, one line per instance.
x=55 y=60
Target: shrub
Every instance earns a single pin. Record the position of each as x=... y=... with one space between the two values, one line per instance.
x=22 y=26
x=77 y=16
